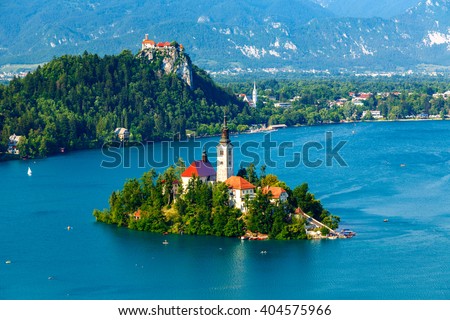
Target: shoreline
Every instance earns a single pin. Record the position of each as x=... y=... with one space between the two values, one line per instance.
x=9 y=157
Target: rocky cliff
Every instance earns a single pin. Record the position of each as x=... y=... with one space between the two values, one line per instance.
x=171 y=60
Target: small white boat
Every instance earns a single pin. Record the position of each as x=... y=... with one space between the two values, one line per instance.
x=29 y=171
x=8 y=261
x=165 y=242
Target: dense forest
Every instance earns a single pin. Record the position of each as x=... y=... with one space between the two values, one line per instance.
x=203 y=209
x=77 y=101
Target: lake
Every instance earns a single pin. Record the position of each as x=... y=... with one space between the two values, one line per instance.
x=398 y=171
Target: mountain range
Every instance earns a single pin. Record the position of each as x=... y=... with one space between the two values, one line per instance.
x=232 y=36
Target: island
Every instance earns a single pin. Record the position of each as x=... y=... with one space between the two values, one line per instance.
x=198 y=200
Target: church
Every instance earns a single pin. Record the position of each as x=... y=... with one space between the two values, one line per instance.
x=202 y=169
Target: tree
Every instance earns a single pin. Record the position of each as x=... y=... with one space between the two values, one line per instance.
x=269 y=180
x=368 y=116
x=251 y=174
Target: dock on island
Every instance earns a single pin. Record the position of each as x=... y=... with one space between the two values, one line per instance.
x=332 y=234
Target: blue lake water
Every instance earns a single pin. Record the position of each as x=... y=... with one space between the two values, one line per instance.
x=406 y=258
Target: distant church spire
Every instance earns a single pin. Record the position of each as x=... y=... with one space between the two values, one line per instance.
x=254 y=94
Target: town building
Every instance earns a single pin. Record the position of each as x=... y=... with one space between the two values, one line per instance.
x=376 y=114
x=137 y=214
x=283 y=105
x=444 y=95
x=122 y=134
x=240 y=191
x=12 y=144
x=276 y=194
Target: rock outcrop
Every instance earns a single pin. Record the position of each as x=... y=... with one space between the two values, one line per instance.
x=171 y=59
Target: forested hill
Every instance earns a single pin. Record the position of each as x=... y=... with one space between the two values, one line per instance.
x=77 y=101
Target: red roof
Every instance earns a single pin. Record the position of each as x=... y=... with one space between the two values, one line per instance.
x=239 y=183
x=163 y=44
x=199 y=169
x=365 y=95
x=276 y=191
x=150 y=42
x=138 y=213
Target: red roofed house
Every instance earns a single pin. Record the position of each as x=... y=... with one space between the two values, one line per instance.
x=365 y=96
x=277 y=194
x=201 y=169
x=240 y=188
x=146 y=43
x=137 y=215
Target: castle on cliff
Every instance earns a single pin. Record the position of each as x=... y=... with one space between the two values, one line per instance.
x=150 y=44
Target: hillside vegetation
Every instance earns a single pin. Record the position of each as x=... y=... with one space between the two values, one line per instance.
x=77 y=101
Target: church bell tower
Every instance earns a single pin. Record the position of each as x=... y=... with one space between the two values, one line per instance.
x=225 y=168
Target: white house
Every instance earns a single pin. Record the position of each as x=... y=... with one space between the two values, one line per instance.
x=240 y=189
x=122 y=133
x=376 y=114
x=277 y=194
x=12 y=144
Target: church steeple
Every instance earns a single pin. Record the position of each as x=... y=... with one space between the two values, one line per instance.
x=225 y=165
x=254 y=94
x=204 y=156
x=225 y=138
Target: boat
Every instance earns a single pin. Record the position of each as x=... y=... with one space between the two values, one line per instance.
x=165 y=242
x=386 y=220
x=29 y=171
x=8 y=261
x=348 y=233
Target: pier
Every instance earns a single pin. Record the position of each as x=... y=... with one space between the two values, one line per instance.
x=319 y=224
